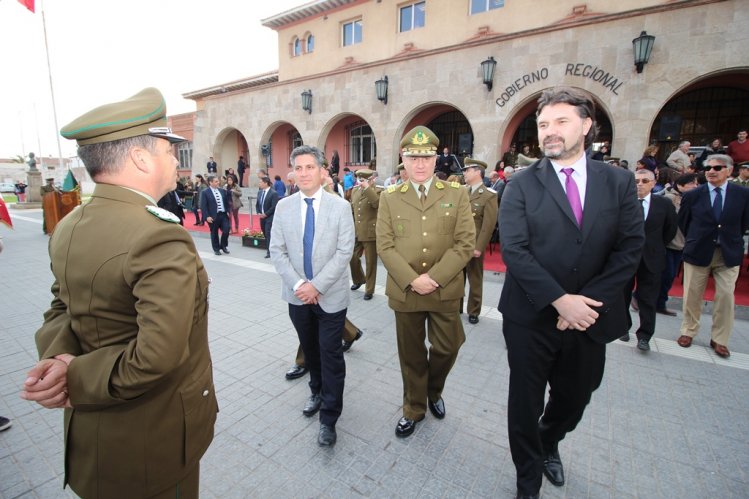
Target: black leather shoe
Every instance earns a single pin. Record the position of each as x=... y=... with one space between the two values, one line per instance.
x=473 y=319
x=267 y=255
x=296 y=372
x=405 y=427
x=642 y=344
x=327 y=436
x=367 y=296
x=553 y=468
x=225 y=250
x=624 y=338
x=666 y=311
x=347 y=344
x=312 y=405
x=437 y=408
x=527 y=496
x=354 y=287
x=217 y=253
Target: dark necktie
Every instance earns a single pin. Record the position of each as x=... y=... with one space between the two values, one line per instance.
x=718 y=204
x=642 y=207
x=261 y=201
x=573 y=196
x=309 y=237
x=423 y=195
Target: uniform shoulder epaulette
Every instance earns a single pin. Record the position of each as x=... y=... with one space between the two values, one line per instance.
x=455 y=185
x=378 y=187
x=404 y=188
x=162 y=214
x=392 y=188
x=491 y=190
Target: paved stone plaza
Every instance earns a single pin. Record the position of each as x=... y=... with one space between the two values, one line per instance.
x=671 y=423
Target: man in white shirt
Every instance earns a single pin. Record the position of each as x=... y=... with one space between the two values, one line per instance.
x=679 y=159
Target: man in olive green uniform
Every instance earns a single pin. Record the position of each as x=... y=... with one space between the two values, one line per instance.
x=365 y=198
x=484 y=209
x=425 y=237
x=124 y=345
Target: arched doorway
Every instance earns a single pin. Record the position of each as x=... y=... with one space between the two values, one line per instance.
x=522 y=131
x=275 y=148
x=354 y=140
x=230 y=145
x=716 y=106
x=450 y=125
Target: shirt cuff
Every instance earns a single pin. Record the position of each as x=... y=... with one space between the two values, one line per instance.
x=298 y=283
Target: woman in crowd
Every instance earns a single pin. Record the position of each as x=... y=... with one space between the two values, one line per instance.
x=236 y=201
x=715 y=147
x=334 y=163
x=279 y=186
x=648 y=158
x=200 y=186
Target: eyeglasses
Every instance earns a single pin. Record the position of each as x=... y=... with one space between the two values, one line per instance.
x=642 y=181
x=717 y=168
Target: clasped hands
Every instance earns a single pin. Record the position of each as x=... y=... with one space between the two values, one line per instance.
x=307 y=293
x=575 y=312
x=424 y=284
x=47 y=382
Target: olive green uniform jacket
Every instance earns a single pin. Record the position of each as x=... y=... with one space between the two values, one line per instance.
x=437 y=239
x=130 y=302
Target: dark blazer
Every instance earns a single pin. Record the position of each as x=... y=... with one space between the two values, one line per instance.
x=660 y=229
x=208 y=202
x=548 y=255
x=211 y=167
x=269 y=204
x=702 y=232
x=170 y=202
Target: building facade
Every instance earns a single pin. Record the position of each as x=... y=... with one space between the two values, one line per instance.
x=428 y=55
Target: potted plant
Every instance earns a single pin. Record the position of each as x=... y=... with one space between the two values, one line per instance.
x=254 y=239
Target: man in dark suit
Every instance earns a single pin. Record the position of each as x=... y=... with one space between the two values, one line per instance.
x=265 y=206
x=572 y=233
x=172 y=203
x=211 y=166
x=714 y=218
x=660 y=228
x=215 y=204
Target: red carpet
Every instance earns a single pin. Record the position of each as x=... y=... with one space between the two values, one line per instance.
x=493 y=261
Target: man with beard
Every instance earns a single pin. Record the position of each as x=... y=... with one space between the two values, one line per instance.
x=572 y=233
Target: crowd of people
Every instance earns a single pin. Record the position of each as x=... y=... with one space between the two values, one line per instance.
x=131 y=366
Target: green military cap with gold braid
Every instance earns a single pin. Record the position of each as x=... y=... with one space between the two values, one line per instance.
x=142 y=114
x=473 y=163
x=420 y=141
x=364 y=173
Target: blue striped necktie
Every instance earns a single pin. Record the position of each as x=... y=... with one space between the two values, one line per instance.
x=309 y=237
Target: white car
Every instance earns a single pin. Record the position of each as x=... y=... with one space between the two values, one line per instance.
x=7 y=187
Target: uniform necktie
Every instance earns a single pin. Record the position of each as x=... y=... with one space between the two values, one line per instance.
x=573 y=196
x=309 y=237
x=261 y=201
x=423 y=195
x=642 y=207
x=718 y=204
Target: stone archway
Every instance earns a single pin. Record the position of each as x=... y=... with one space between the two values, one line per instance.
x=229 y=146
x=449 y=124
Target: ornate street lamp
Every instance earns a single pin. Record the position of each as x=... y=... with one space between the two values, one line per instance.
x=381 y=87
x=307 y=101
x=487 y=70
x=643 y=46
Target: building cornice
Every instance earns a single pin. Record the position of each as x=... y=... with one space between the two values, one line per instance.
x=485 y=38
x=303 y=12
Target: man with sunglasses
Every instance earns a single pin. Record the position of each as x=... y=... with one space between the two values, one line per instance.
x=713 y=218
x=660 y=220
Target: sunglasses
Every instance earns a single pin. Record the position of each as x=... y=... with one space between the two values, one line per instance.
x=717 y=168
x=642 y=181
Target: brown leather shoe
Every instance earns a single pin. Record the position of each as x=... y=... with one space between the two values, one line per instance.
x=720 y=350
x=684 y=341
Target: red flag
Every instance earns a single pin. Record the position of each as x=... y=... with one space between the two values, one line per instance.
x=29 y=4
x=4 y=215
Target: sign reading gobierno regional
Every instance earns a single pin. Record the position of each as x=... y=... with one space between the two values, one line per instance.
x=590 y=71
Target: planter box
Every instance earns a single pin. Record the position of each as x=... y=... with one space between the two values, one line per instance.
x=254 y=242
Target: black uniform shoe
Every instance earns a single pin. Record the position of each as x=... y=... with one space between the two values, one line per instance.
x=473 y=319
x=225 y=250
x=347 y=344
x=527 y=496
x=406 y=427
x=327 y=436
x=354 y=287
x=218 y=253
x=367 y=296
x=296 y=372
x=553 y=468
x=642 y=344
x=437 y=408
x=312 y=405
x=624 y=338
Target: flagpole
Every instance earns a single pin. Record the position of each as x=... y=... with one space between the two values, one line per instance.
x=51 y=87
